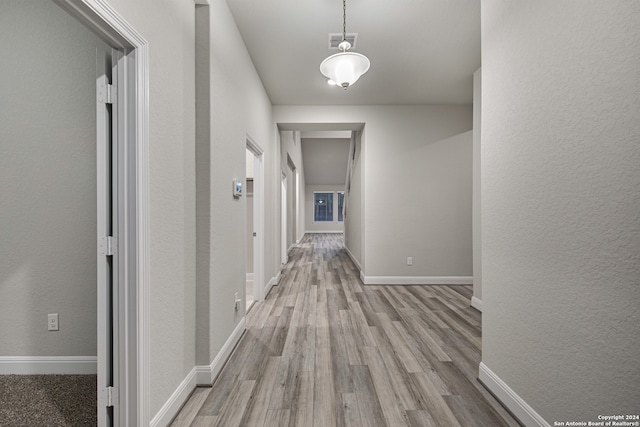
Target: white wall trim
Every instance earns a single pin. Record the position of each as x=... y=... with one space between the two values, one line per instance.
x=199 y=375
x=171 y=408
x=207 y=374
x=353 y=258
x=518 y=407
x=274 y=281
x=476 y=303
x=249 y=276
x=48 y=365
x=324 y=231
x=416 y=280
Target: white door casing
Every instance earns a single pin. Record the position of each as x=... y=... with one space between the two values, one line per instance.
x=258 y=218
x=107 y=250
x=283 y=221
x=130 y=175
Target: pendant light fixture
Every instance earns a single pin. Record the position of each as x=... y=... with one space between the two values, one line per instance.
x=345 y=68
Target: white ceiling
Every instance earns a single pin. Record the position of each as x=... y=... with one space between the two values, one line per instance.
x=421 y=51
x=325 y=160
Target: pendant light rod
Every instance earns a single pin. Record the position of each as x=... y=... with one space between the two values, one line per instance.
x=344 y=20
x=344 y=44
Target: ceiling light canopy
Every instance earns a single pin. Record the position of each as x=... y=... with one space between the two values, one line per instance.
x=345 y=68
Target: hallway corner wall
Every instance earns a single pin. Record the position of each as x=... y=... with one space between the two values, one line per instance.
x=354 y=220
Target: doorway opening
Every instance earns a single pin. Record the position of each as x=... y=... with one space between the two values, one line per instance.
x=254 y=289
x=95 y=194
x=250 y=233
x=292 y=231
x=122 y=234
x=284 y=257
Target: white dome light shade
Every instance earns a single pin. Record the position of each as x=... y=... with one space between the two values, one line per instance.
x=345 y=68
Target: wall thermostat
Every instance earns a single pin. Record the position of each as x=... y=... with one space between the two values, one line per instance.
x=237 y=188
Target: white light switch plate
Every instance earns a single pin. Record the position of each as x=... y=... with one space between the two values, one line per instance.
x=53 y=322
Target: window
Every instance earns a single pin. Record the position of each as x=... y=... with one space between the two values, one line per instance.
x=322 y=207
x=327 y=206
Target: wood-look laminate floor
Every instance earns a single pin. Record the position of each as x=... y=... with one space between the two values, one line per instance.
x=323 y=350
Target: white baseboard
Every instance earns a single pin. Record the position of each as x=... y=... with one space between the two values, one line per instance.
x=48 y=365
x=199 y=375
x=171 y=408
x=416 y=280
x=206 y=374
x=476 y=303
x=274 y=281
x=324 y=231
x=518 y=407
x=249 y=276
x=353 y=258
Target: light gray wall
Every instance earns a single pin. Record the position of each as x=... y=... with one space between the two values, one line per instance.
x=325 y=160
x=47 y=181
x=477 y=235
x=353 y=221
x=560 y=204
x=240 y=108
x=313 y=226
x=418 y=201
x=203 y=182
x=418 y=194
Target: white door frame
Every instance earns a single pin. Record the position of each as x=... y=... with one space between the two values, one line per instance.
x=132 y=176
x=258 y=218
x=296 y=236
x=284 y=256
x=108 y=259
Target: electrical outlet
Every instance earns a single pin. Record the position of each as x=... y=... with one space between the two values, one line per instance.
x=52 y=323
x=236 y=301
x=409 y=260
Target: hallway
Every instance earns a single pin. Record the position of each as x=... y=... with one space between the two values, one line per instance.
x=324 y=350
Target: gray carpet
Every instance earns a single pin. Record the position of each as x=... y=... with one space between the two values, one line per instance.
x=47 y=400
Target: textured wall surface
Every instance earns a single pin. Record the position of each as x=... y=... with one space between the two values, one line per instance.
x=240 y=108
x=47 y=181
x=561 y=204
